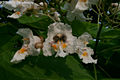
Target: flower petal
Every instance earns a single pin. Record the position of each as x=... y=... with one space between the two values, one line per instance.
x=82 y=5
x=85 y=37
x=25 y=32
x=15 y=16
x=61 y=53
x=18 y=57
x=87 y=59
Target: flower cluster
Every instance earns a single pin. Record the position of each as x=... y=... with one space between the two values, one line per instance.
x=76 y=8
x=60 y=40
x=21 y=7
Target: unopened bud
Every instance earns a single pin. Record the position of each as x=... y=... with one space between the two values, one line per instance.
x=52 y=9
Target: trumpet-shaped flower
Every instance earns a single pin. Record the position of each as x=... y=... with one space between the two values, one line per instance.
x=76 y=9
x=83 y=51
x=85 y=55
x=31 y=46
x=60 y=40
x=15 y=15
x=20 y=7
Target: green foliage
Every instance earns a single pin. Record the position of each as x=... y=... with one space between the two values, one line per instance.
x=111 y=34
x=31 y=19
x=81 y=27
x=107 y=51
x=33 y=68
x=50 y=68
x=40 y=67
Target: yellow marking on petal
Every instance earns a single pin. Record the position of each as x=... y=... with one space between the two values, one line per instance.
x=64 y=45
x=54 y=46
x=61 y=42
x=25 y=39
x=85 y=53
x=57 y=42
x=83 y=0
x=18 y=13
x=22 y=50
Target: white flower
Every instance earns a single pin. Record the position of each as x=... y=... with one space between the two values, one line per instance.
x=15 y=15
x=20 y=7
x=76 y=9
x=31 y=46
x=85 y=55
x=77 y=15
x=83 y=51
x=60 y=40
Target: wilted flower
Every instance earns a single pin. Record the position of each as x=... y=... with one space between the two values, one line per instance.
x=31 y=46
x=83 y=51
x=76 y=9
x=60 y=40
x=20 y=7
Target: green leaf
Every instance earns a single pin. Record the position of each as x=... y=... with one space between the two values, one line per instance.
x=44 y=68
x=41 y=24
x=81 y=27
x=115 y=33
x=31 y=19
x=38 y=67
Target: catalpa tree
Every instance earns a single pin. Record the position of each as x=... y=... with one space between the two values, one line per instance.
x=59 y=39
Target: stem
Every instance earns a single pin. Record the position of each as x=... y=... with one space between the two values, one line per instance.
x=97 y=41
x=104 y=71
x=95 y=71
x=51 y=17
x=48 y=16
x=98 y=35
